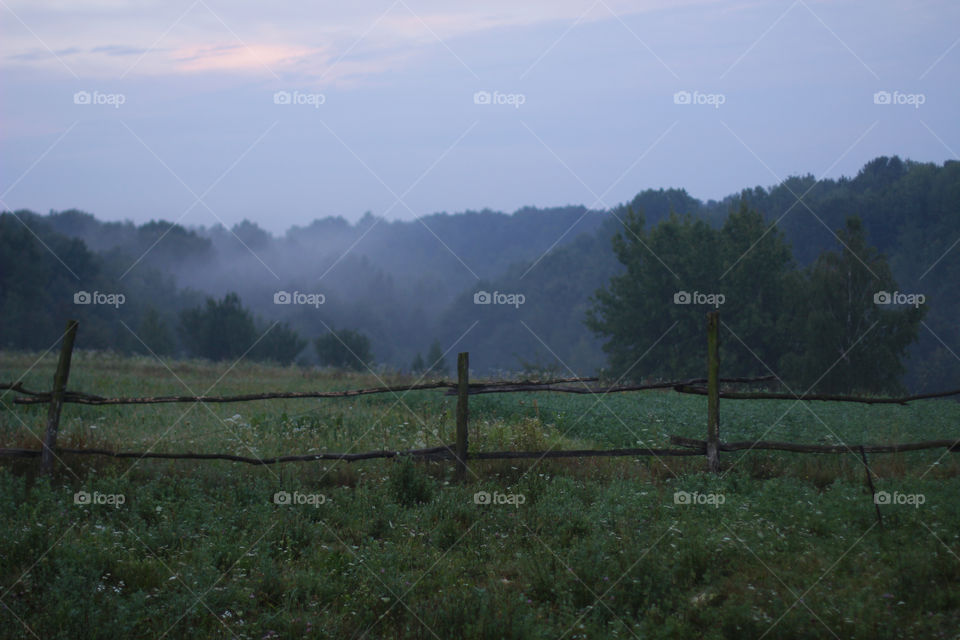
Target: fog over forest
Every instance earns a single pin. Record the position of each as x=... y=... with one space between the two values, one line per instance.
x=406 y=285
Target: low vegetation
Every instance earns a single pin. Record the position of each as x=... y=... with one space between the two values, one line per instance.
x=778 y=546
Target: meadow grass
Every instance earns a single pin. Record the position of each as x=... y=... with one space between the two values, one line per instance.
x=780 y=544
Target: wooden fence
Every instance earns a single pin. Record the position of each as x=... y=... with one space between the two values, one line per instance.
x=463 y=388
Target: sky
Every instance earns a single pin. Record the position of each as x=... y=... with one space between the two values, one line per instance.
x=205 y=112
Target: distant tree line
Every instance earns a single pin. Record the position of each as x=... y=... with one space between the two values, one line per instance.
x=794 y=273
x=827 y=326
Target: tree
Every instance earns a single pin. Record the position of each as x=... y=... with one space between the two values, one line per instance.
x=646 y=333
x=219 y=330
x=37 y=287
x=435 y=361
x=418 y=365
x=344 y=349
x=845 y=335
x=653 y=314
x=280 y=344
x=757 y=264
x=155 y=334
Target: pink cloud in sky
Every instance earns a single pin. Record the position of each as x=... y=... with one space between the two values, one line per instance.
x=239 y=57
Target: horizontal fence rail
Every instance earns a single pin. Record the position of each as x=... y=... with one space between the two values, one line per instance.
x=693 y=446
x=762 y=395
x=439 y=453
x=701 y=445
x=77 y=397
x=463 y=388
x=507 y=387
x=447 y=452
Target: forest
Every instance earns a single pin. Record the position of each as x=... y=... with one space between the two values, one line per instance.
x=602 y=291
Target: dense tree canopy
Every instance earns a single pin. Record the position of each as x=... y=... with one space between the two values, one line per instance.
x=404 y=284
x=652 y=314
x=843 y=334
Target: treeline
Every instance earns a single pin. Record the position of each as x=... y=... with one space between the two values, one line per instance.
x=826 y=327
x=46 y=278
x=909 y=214
x=401 y=289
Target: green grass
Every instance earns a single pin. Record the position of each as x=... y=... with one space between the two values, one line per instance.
x=599 y=548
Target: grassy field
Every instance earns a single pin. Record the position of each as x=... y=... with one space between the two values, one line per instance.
x=777 y=546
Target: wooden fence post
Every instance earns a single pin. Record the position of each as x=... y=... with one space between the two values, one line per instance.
x=463 y=389
x=713 y=391
x=56 y=397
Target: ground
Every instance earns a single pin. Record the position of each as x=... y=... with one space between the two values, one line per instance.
x=778 y=545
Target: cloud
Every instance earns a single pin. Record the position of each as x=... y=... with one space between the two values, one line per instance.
x=239 y=57
x=43 y=54
x=242 y=37
x=118 y=50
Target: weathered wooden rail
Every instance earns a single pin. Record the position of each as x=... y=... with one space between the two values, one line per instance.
x=463 y=389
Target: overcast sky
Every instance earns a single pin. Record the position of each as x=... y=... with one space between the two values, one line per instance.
x=205 y=111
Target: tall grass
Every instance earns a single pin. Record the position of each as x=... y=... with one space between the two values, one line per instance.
x=571 y=548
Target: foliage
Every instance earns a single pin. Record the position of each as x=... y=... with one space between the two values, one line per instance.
x=841 y=339
x=155 y=334
x=408 y=484
x=225 y=330
x=220 y=330
x=280 y=344
x=652 y=316
x=344 y=349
